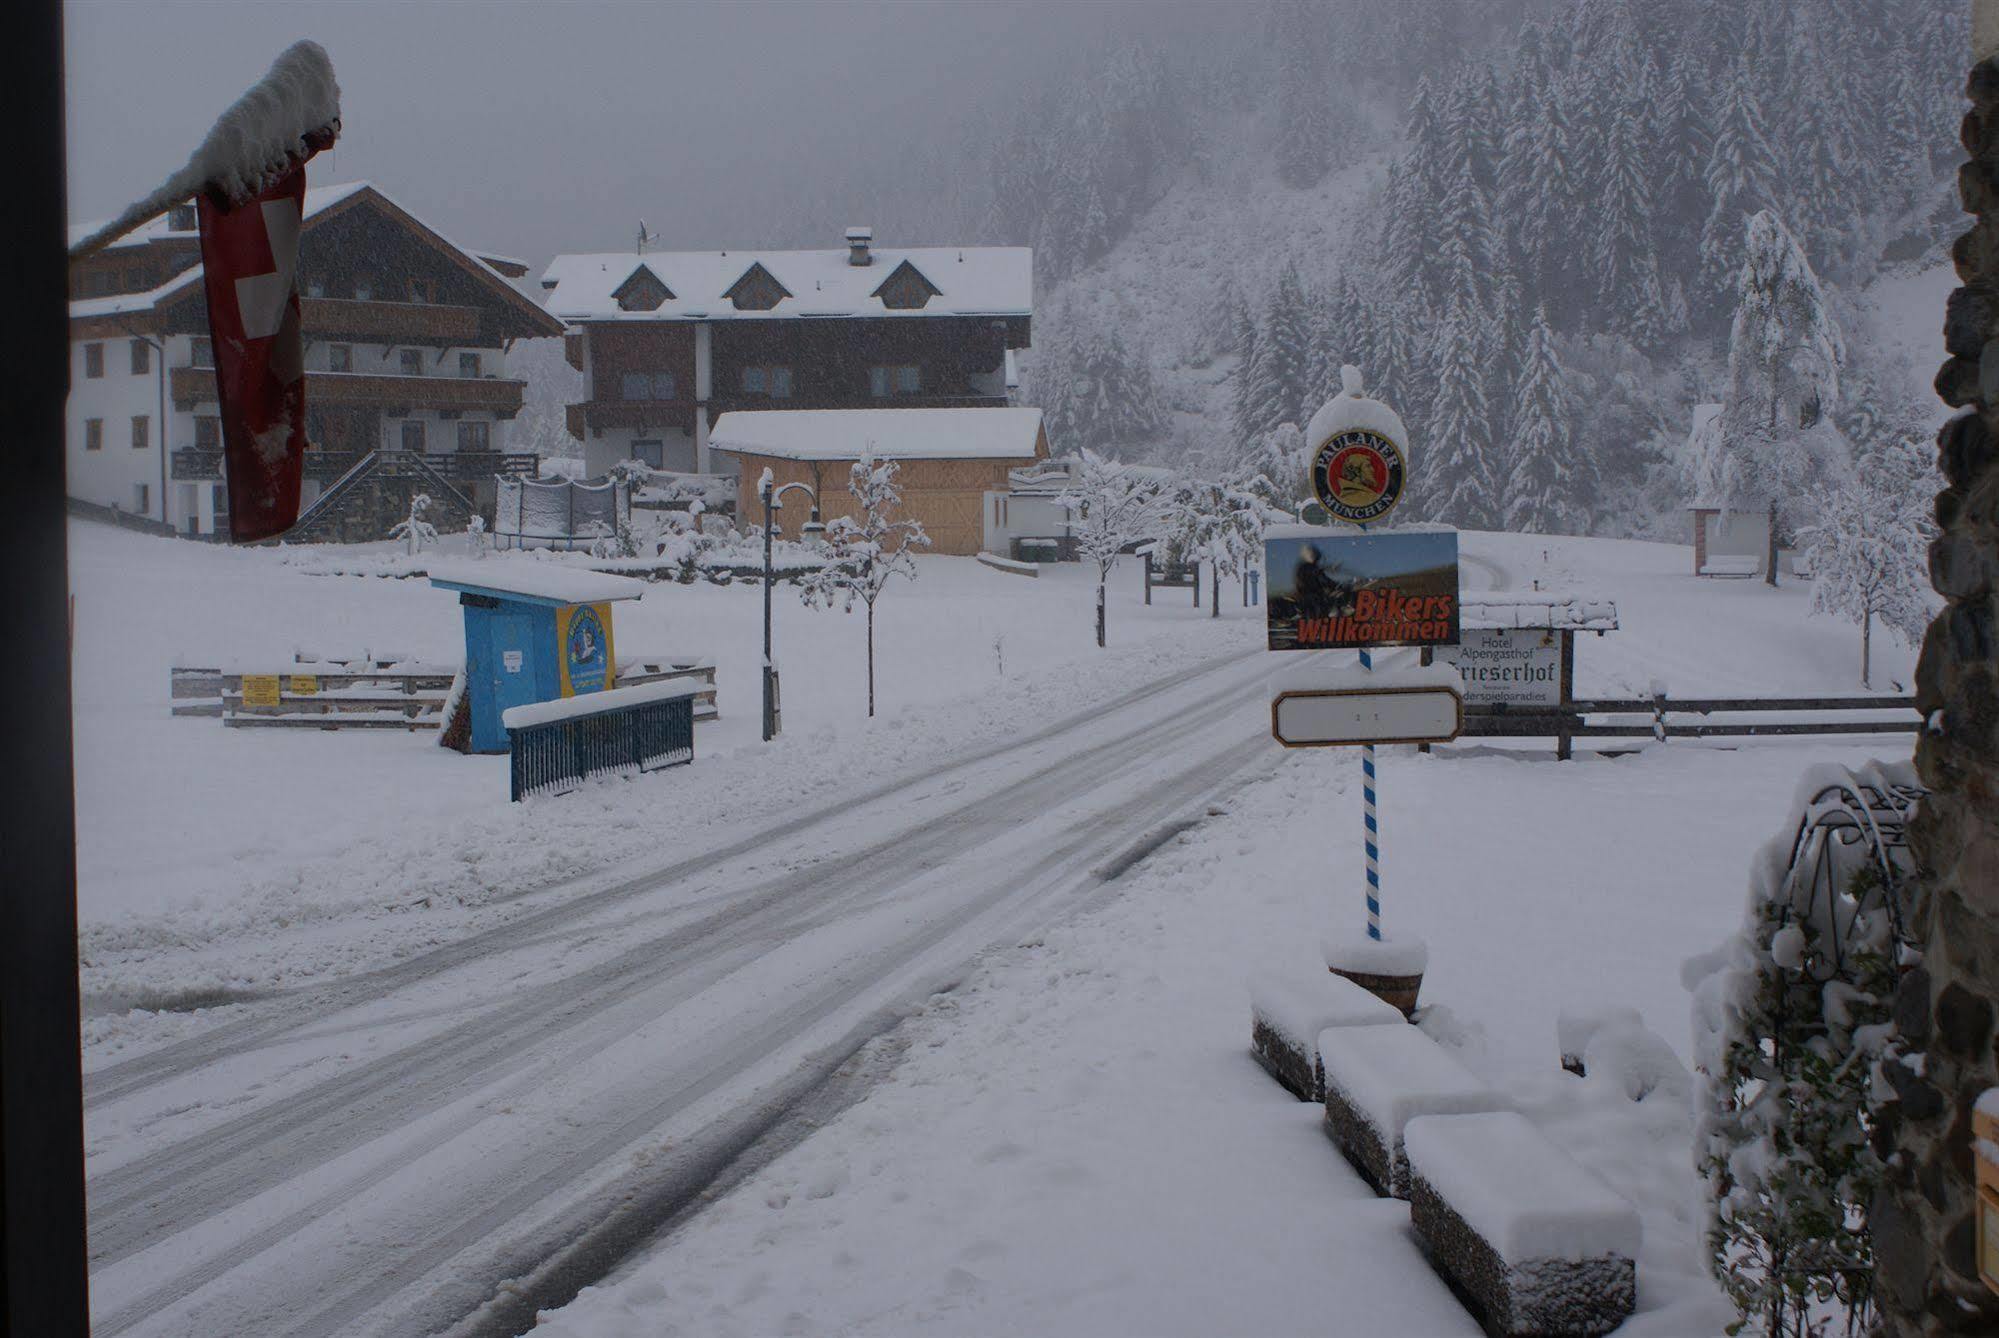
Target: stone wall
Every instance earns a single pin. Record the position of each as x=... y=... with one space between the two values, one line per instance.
x=1923 y=1227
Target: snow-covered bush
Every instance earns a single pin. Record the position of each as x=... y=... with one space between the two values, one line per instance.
x=415 y=532
x=1791 y=1016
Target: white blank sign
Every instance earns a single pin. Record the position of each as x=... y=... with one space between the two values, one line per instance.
x=1323 y=719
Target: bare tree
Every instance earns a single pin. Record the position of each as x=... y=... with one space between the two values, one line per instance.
x=866 y=551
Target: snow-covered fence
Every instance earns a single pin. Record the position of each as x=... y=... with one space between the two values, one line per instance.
x=558 y=513
x=393 y=693
x=1673 y=718
x=620 y=731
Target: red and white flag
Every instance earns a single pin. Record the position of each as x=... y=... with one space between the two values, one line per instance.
x=248 y=180
x=249 y=256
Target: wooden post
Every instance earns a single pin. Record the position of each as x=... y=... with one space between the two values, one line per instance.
x=1148 y=581
x=1427 y=657
x=1197 y=582
x=1564 y=748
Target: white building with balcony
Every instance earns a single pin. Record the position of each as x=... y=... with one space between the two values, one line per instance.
x=406 y=337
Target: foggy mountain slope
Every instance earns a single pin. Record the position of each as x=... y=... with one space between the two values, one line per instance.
x=1594 y=160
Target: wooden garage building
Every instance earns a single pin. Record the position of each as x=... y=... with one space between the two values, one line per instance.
x=950 y=459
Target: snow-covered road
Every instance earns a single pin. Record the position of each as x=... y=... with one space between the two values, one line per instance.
x=474 y=1132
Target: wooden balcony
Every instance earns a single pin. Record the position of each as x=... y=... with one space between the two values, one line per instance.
x=373 y=322
x=190 y=386
x=192 y=464
x=641 y=415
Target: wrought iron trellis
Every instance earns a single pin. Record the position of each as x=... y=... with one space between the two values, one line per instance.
x=1849 y=859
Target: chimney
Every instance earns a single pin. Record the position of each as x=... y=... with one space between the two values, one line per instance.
x=858 y=241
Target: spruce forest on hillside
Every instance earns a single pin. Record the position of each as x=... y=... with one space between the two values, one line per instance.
x=1542 y=211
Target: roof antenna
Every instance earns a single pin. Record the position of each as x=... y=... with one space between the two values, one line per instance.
x=645 y=236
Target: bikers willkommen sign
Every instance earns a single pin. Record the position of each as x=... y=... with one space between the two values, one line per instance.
x=1357 y=475
x=1331 y=591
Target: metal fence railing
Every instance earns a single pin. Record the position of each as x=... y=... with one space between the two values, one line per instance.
x=556 y=756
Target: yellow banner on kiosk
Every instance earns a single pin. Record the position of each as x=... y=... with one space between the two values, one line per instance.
x=583 y=646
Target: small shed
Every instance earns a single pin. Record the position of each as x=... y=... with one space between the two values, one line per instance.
x=949 y=460
x=534 y=632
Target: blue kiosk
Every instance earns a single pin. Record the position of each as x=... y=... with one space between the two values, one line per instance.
x=534 y=632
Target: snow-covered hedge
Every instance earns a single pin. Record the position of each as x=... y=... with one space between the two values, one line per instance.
x=1791 y=1016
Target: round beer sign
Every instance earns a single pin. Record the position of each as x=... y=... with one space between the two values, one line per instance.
x=1357 y=475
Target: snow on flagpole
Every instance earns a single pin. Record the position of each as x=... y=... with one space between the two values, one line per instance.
x=247 y=180
x=285 y=117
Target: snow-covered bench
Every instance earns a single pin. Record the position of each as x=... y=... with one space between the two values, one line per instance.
x=1287 y=1011
x=1530 y=1240
x=1380 y=1078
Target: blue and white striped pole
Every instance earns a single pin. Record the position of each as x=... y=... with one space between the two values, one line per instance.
x=1373 y=828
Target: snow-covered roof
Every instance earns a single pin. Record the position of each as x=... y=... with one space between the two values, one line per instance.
x=889 y=434
x=318 y=199
x=1519 y=609
x=541 y=582
x=158 y=228
x=970 y=281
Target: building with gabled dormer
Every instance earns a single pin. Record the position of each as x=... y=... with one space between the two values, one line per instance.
x=406 y=385
x=668 y=341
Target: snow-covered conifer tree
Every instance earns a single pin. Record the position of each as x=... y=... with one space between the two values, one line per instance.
x=1538 y=193
x=1620 y=234
x=1867 y=545
x=1458 y=430
x=1112 y=506
x=1775 y=440
x=1286 y=350
x=1307 y=137
x=1741 y=178
x=1549 y=486
x=867 y=549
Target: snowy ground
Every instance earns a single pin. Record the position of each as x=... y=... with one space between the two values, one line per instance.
x=1072 y=1140
x=219 y=862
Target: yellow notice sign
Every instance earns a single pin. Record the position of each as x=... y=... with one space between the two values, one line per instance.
x=260 y=689
x=305 y=685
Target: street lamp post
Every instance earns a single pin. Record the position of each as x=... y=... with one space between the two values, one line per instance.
x=773 y=501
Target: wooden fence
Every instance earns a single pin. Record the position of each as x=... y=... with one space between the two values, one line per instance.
x=373 y=694
x=1669 y=718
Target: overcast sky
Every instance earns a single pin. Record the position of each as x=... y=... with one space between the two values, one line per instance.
x=534 y=128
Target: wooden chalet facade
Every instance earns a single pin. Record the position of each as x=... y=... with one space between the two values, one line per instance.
x=406 y=337
x=671 y=341
x=949 y=460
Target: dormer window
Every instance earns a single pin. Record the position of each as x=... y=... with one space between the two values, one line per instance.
x=757 y=290
x=906 y=289
x=642 y=290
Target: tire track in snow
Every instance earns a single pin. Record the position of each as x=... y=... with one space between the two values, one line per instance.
x=535 y=1035
x=280 y=1014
